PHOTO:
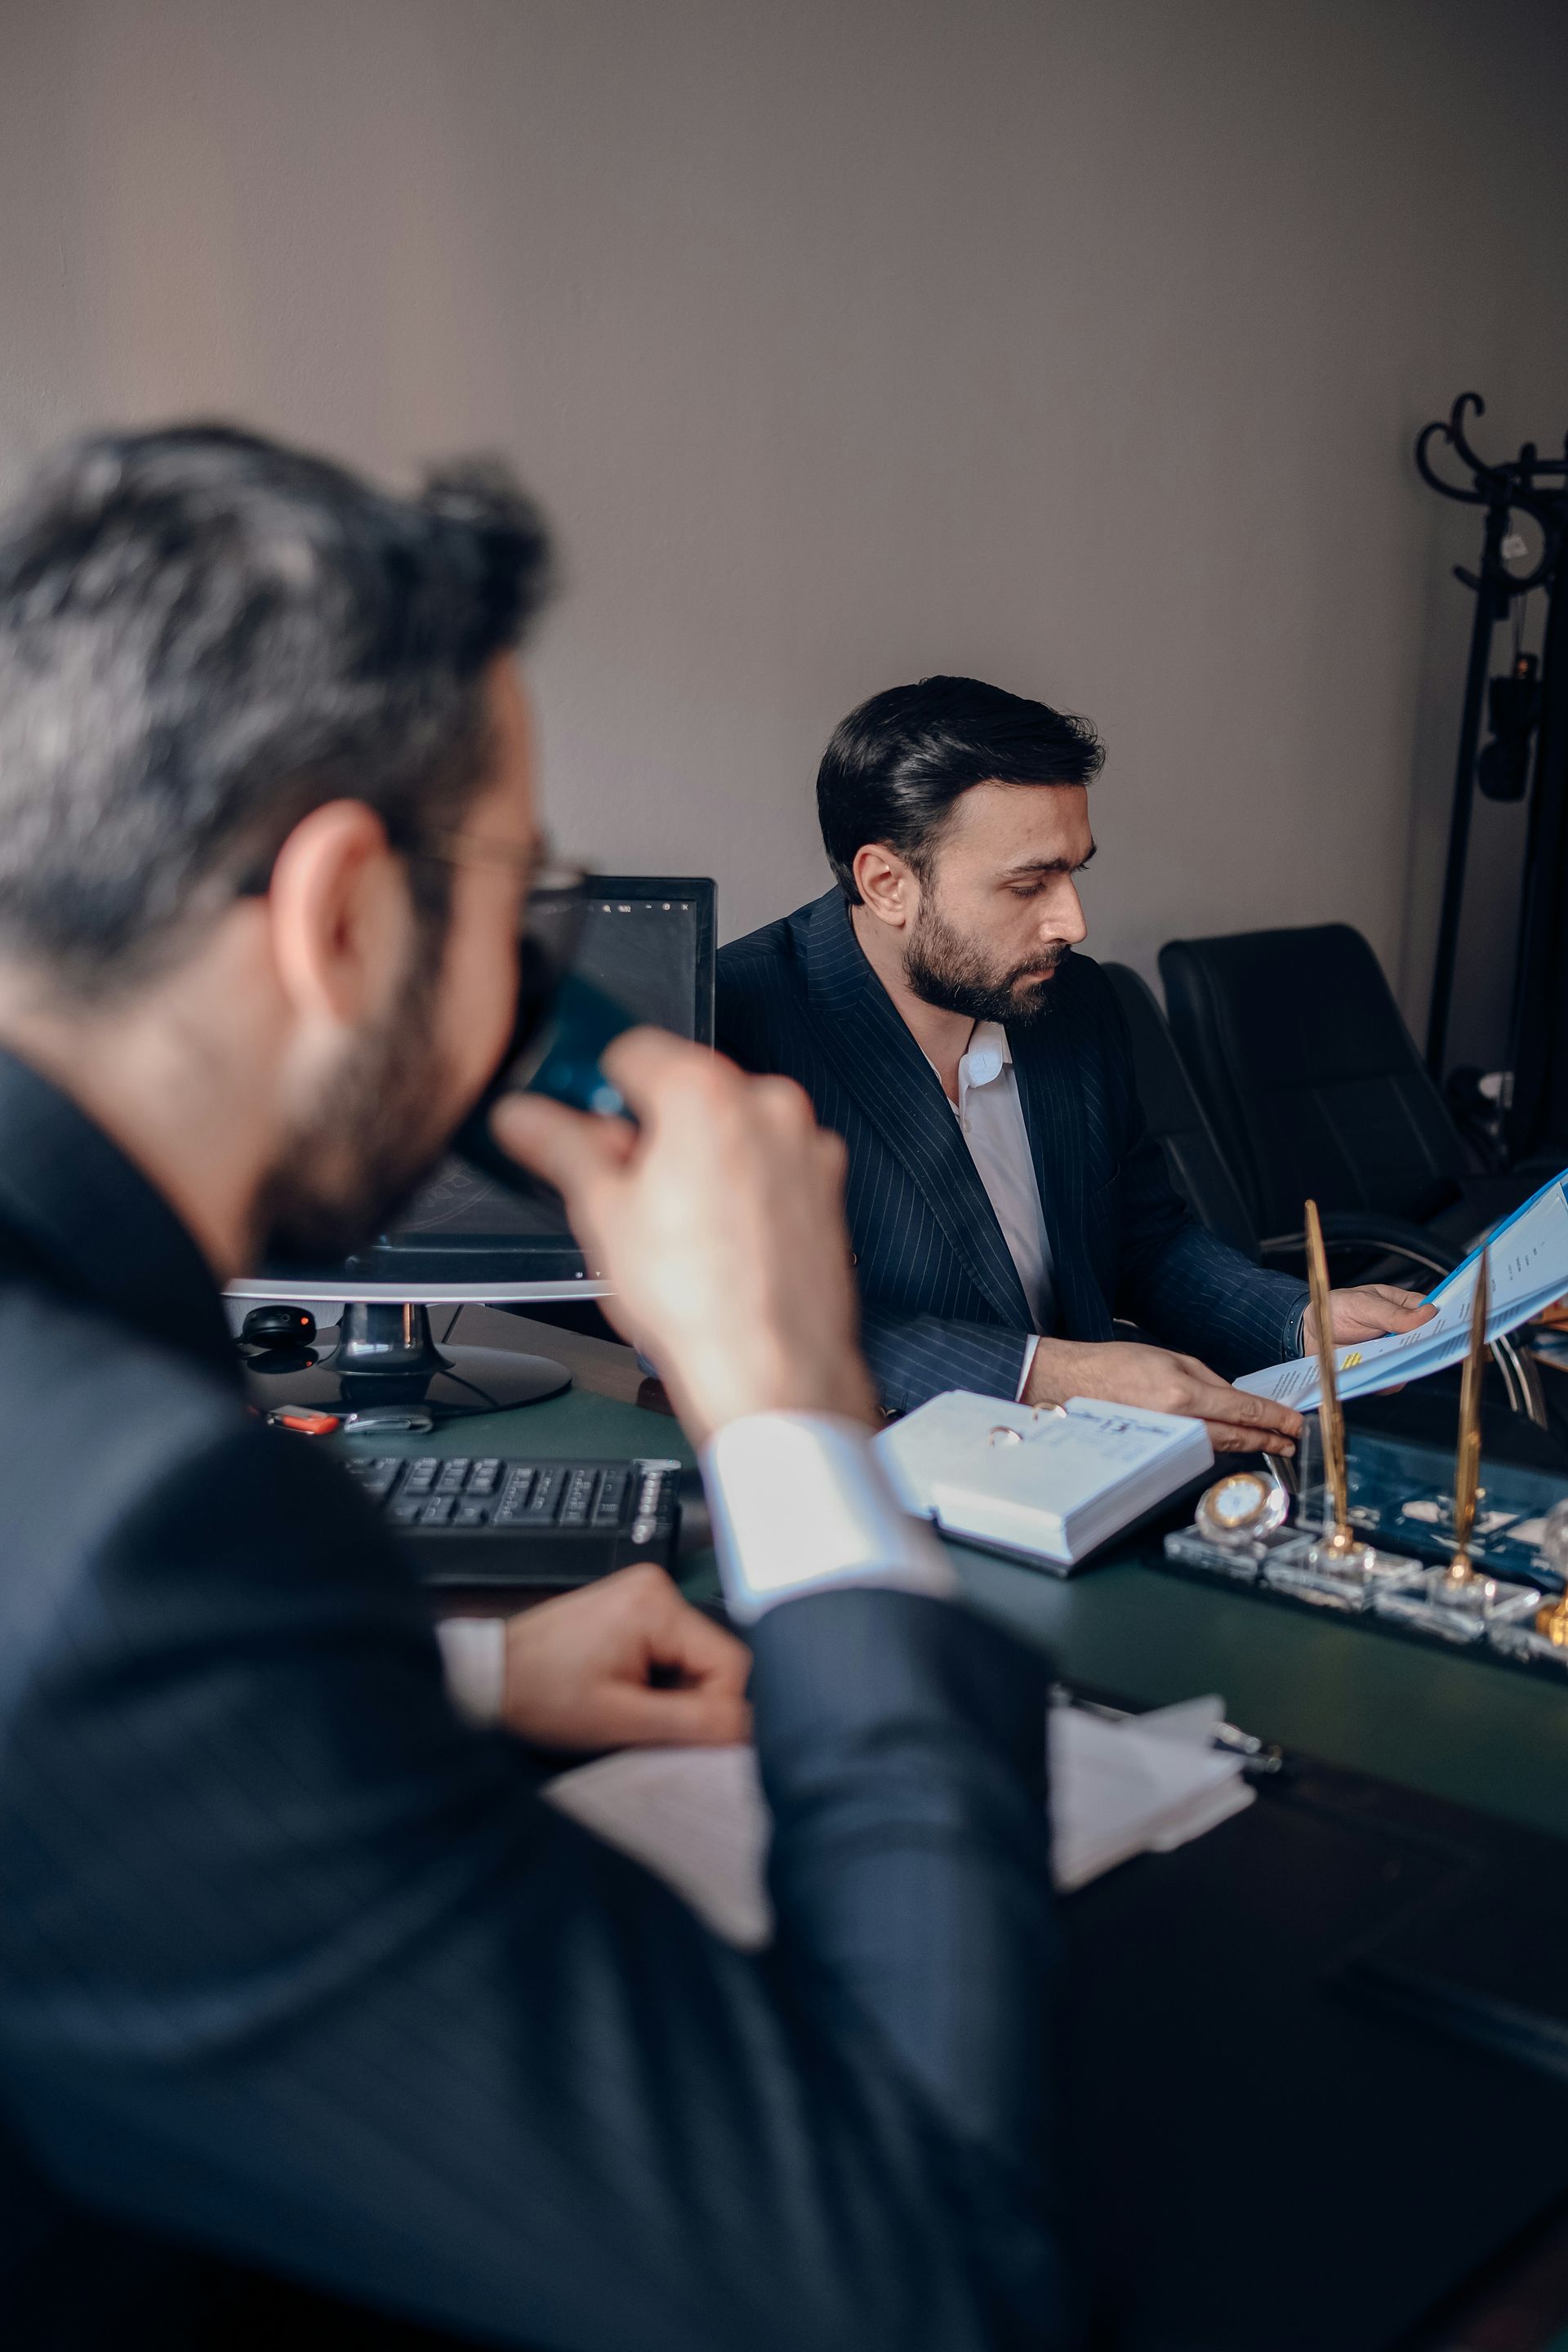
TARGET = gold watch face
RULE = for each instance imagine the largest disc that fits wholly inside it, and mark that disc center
(1244, 1504)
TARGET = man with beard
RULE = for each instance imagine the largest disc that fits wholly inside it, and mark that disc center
(300, 1978)
(1005, 1202)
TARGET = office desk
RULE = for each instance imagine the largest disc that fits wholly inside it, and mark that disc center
(1451, 1726)
(1265, 2167)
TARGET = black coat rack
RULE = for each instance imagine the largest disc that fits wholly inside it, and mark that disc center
(1529, 701)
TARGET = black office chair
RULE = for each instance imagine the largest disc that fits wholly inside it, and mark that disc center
(1177, 1117)
(1201, 1175)
(1314, 1089)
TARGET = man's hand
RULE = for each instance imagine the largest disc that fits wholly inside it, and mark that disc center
(1367, 1314)
(718, 1222)
(578, 1669)
(1124, 1372)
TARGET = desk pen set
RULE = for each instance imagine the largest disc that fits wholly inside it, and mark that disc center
(1377, 1539)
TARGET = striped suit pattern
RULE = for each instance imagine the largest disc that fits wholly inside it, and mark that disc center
(298, 1972)
(941, 1300)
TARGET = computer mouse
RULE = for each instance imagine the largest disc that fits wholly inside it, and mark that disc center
(278, 1326)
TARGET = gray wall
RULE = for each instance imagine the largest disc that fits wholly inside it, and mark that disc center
(1078, 345)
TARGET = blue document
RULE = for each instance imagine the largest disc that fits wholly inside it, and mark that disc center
(1528, 1263)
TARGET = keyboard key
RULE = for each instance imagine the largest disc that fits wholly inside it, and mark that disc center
(453, 1474)
(375, 1478)
(422, 1474)
(405, 1510)
(436, 1513)
(547, 1490)
(470, 1515)
(578, 1500)
(529, 1496)
(485, 1477)
(612, 1498)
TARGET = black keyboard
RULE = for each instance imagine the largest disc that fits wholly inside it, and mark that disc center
(472, 1519)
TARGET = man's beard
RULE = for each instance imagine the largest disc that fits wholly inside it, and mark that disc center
(949, 970)
(344, 1173)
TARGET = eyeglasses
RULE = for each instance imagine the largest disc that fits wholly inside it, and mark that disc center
(549, 931)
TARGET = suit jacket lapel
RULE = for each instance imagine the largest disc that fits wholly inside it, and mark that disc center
(900, 1094)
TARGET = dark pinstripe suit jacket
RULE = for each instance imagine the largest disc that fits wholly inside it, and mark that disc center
(297, 1966)
(942, 1306)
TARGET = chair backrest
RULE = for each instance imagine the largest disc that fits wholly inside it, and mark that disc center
(1310, 1076)
(1177, 1117)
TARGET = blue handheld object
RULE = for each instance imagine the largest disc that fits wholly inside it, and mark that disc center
(583, 1021)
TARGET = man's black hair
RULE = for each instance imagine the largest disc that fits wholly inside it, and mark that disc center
(203, 636)
(895, 766)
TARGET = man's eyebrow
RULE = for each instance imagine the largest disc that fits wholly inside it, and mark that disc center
(1050, 865)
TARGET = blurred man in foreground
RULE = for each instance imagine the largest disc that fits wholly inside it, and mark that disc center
(296, 1968)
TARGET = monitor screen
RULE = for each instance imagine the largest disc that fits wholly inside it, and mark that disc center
(647, 943)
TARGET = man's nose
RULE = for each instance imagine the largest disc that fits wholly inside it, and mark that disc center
(1065, 920)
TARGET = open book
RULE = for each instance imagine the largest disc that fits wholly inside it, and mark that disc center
(697, 1816)
(1044, 1482)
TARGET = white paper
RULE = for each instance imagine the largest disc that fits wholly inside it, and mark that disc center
(1528, 1266)
(697, 1816)
(1136, 1786)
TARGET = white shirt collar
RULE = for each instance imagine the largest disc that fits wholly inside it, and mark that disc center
(987, 1055)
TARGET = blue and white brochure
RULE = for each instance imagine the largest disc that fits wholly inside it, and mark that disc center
(1528, 1263)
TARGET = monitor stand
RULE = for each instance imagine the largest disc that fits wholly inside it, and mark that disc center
(383, 1355)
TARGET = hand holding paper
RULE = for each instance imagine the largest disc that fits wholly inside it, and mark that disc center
(1529, 1265)
(1370, 1311)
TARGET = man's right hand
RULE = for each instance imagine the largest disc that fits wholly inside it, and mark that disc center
(1124, 1372)
(718, 1222)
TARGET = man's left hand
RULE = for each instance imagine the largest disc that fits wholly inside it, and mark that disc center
(1367, 1313)
(580, 1670)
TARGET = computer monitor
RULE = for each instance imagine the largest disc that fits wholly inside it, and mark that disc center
(648, 942)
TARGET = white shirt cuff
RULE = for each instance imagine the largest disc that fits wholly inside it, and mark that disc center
(801, 1504)
(1029, 1353)
(473, 1657)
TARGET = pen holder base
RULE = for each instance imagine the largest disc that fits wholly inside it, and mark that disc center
(1458, 1613)
(1309, 1568)
(1236, 1562)
(1522, 1642)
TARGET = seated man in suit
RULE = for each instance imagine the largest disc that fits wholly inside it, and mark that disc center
(299, 1975)
(1005, 1202)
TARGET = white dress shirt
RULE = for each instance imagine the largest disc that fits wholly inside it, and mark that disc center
(800, 1503)
(991, 1114)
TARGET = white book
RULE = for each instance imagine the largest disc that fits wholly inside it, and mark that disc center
(1049, 1486)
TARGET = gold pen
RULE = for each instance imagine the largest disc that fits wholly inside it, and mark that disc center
(1341, 1542)
(1468, 1462)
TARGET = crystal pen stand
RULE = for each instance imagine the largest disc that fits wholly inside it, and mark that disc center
(1241, 1534)
(1355, 1576)
(1528, 1647)
(1460, 1610)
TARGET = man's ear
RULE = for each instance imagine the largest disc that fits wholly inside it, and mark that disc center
(340, 913)
(887, 885)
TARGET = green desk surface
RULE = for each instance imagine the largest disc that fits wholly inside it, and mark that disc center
(1451, 1726)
